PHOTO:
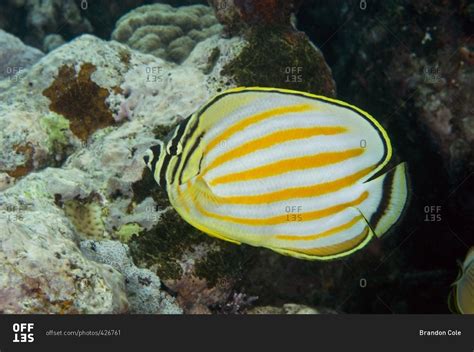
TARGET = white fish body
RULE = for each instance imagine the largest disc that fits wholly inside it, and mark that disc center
(286, 170)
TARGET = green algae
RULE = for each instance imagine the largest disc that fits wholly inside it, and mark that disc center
(164, 245)
(56, 126)
(127, 231)
(230, 262)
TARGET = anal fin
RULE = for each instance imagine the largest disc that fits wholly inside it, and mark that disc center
(392, 188)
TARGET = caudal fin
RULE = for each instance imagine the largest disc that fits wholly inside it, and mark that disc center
(390, 192)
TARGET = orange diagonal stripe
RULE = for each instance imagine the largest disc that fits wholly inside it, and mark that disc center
(287, 165)
(274, 220)
(254, 119)
(323, 234)
(299, 192)
(335, 249)
(274, 139)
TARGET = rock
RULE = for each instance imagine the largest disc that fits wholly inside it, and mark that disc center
(200, 270)
(282, 58)
(239, 15)
(43, 270)
(96, 191)
(5, 181)
(143, 286)
(36, 141)
(165, 31)
(289, 308)
(275, 53)
(52, 41)
(15, 57)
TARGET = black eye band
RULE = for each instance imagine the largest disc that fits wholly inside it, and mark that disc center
(173, 150)
(146, 158)
(156, 149)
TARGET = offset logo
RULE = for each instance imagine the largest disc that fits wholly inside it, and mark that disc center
(23, 332)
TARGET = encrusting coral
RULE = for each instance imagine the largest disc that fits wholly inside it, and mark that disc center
(165, 31)
(86, 216)
(57, 130)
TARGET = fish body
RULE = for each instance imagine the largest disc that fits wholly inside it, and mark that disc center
(461, 297)
(286, 170)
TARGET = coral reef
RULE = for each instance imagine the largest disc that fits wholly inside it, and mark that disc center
(289, 308)
(165, 31)
(427, 71)
(199, 269)
(74, 125)
(101, 105)
(57, 130)
(408, 64)
(101, 180)
(47, 24)
(143, 287)
(43, 270)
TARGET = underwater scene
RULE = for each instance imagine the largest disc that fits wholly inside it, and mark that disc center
(236, 157)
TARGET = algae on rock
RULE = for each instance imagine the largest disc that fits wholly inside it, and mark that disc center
(79, 99)
(276, 57)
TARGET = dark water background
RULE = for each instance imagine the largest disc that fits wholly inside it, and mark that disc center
(411, 270)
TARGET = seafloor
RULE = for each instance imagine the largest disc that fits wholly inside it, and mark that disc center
(87, 86)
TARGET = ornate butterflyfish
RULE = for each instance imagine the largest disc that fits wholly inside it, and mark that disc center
(300, 174)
